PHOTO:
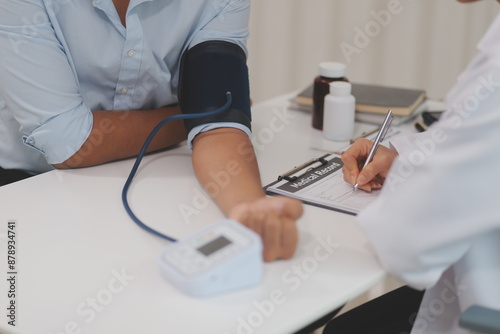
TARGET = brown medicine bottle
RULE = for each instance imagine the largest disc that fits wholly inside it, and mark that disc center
(328, 72)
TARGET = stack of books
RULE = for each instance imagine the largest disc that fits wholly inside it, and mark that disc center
(373, 101)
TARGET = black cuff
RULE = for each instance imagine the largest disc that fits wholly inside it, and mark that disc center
(208, 71)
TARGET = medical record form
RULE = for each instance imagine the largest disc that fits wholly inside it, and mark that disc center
(321, 182)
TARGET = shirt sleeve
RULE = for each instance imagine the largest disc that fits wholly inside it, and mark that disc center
(442, 191)
(230, 24)
(210, 126)
(38, 84)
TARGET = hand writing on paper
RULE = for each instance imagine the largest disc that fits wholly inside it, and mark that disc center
(373, 175)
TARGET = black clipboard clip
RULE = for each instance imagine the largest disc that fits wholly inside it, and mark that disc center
(307, 166)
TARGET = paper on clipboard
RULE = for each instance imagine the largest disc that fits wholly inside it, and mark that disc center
(324, 186)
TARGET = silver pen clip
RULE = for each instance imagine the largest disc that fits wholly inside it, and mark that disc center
(387, 124)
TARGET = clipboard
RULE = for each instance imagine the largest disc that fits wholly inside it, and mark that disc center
(301, 169)
(319, 182)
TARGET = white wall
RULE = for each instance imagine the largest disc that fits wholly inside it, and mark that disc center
(422, 44)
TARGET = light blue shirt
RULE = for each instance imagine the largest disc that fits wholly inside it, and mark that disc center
(61, 60)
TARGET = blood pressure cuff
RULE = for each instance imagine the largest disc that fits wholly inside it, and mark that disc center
(208, 71)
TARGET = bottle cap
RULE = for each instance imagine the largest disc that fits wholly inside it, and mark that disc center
(340, 88)
(332, 69)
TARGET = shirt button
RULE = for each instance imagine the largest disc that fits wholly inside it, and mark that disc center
(96, 2)
(124, 90)
(131, 53)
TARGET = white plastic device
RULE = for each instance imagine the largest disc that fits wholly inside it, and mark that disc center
(222, 257)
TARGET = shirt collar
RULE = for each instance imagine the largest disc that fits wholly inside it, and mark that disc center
(108, 6)
(135, 3)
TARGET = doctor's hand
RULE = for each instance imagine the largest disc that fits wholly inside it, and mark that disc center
(273, 218)
(373, 175)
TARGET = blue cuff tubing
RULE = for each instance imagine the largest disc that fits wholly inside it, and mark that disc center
(138, 160)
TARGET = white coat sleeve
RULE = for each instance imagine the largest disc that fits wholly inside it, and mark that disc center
(443, 191)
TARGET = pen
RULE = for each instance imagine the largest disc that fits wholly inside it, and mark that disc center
(380, 136)
(420, 127)
(430, 117)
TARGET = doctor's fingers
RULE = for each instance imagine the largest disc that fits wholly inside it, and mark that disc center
(378, 167)
(353, 158)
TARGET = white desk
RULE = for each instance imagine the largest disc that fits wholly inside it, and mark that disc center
(74, 237)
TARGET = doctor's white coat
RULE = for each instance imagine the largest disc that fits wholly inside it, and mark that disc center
(436, 223)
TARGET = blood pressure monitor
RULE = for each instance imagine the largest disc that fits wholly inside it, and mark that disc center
(226, 255)
(221, 257)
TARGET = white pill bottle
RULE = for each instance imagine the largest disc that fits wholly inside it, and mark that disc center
(339, 112)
